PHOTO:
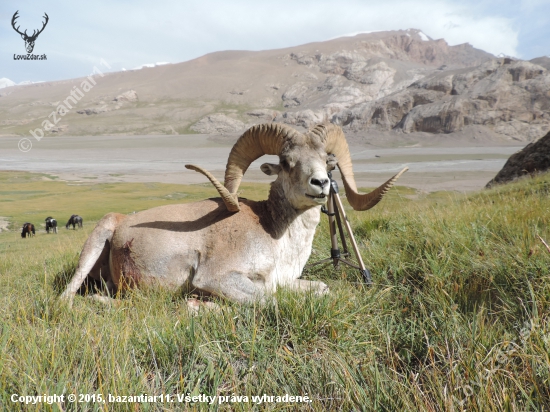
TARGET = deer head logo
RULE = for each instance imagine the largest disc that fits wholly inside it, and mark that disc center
(29, 40)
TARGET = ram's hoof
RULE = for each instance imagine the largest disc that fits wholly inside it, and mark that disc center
(194, 306)
(322, 289)
(106, 300)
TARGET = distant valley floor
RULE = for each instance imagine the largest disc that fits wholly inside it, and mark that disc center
(466, 166)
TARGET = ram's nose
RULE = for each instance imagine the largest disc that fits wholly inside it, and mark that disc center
(322, 183)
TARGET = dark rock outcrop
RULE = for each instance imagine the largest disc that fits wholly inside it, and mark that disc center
(533, 158)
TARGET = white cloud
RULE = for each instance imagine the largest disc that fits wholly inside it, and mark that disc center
(456, 22)
(531, 5)
(126, 34)
(189, 31)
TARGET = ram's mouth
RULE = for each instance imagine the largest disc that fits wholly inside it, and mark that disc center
(321, 196)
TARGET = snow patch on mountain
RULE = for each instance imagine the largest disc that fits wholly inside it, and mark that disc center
(148, 65)
(5, 82)
(423, 36)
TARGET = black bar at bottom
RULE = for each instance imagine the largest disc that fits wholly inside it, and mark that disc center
(335, 253)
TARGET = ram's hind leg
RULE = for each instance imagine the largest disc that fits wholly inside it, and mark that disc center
(93, 255)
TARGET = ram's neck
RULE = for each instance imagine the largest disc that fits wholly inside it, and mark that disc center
(280, 216)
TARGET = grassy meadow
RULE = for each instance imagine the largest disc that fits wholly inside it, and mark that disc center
(457, 318)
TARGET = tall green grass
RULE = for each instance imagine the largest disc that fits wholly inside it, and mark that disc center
(26, 197)
(457, 317)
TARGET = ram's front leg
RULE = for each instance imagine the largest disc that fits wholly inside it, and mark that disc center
(234, 286)
(319, 288)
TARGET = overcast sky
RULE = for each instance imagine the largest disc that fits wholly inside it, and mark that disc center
(129, 33)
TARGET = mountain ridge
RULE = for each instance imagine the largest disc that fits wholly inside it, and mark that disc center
(372, 82)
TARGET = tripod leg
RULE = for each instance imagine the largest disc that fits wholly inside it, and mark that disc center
(334, 250)
(341, 231)
(364, 271)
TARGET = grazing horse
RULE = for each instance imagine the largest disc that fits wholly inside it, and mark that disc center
(51, 223)
(28, 230)
(74, 220)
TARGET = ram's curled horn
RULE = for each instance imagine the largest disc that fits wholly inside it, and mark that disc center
(335, 143)
(230, 200)
(263, 139)
(259, 140)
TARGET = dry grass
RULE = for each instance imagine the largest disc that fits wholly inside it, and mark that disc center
(457, 318)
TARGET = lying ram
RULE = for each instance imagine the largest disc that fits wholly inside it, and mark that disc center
(230, 247)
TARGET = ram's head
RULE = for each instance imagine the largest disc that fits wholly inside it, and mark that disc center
(304, 162)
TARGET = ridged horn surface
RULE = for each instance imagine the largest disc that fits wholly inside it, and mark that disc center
(230, 200)
(259, 140)
(368, 200)
(335, 143)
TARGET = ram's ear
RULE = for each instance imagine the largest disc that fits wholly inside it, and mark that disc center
(271, 168)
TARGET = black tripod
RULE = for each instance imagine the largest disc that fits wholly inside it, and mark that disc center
(337, 215)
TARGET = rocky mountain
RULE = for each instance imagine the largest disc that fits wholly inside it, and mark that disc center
(400, 81)
(533, 158)
(543, 61)
(510, 97)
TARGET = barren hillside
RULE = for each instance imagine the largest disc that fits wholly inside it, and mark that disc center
(400, 81)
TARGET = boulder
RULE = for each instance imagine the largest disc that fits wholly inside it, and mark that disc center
(304, 118)
(265, 115)
(294, 95)
(218, 123)
(59, 129)
(129, 96)
(533, 158)
(94, 110)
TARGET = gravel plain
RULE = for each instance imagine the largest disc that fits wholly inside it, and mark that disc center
(163, 158)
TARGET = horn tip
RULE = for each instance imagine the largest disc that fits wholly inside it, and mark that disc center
(195, 168)
(398, 175)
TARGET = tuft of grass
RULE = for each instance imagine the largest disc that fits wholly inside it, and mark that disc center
(457, 317)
